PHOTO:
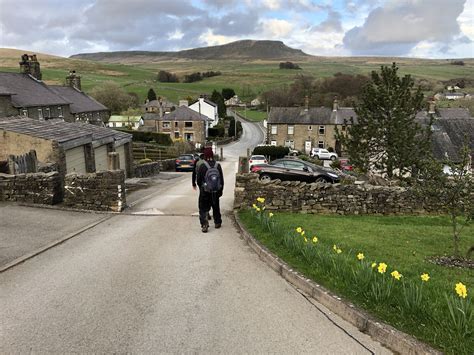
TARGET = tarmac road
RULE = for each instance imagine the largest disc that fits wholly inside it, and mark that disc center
(151, 282)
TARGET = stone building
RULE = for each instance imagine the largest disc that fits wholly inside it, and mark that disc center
(303, 128)
(71, 147)
(27, 95)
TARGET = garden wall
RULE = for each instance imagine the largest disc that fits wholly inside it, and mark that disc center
(167, 164)
(42, 188)
(148, 169)
(101, 191)
(295, 196)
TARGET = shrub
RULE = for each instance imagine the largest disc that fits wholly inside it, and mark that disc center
(274, 152)
(289, 65)
(167, 77)
(191, 78)
(217, 131)
(144, 161)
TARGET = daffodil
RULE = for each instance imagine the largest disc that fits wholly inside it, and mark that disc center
(305, 240)
(396, 275)
(382, 268)
(461, 290)
(339, 251)
(263, 208)
(334, 247)
(425, 277)
(315, 240)
(302, 233)
(261, 199)
(299, 230)
(254, 206)
(270, 215)
(257, 209)
(373, 265)
(360, 256)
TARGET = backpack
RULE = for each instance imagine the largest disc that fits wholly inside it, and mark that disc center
(212, 179)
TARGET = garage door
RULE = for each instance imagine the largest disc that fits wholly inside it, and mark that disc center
(121, 151)
(100, 154)
(76, 160)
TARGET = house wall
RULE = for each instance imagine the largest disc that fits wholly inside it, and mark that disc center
(12, 143)
(6, 108)
(302, 133)
(198, 129)
(207, 110)
(54, 112)
(95, 117)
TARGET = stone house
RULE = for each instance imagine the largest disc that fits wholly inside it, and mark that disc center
(161, 105)
(72, 147)
(134, 122)
(303, 128)
(207, 108)
(25, 94)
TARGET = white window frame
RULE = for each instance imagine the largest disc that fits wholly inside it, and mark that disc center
(321, 144)
(47, 112)
(176, 137)
(166, 124)
(310, 128)
(290, 143)
(322, 130)
(25, 112)
(292, 129)
(40, 114)
(274, 143)
(60, 111)
(274, 129)
(186, 124)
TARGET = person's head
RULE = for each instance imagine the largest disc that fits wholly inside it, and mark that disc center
(208, 153)
(201, 156)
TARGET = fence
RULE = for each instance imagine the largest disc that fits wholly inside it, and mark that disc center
(22, 164)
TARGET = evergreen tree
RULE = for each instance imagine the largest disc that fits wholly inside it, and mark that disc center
(151, 95)
(227, 93)
(386, 139)
(217, 98)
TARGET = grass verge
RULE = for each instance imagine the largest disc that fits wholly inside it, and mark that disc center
(404, 243)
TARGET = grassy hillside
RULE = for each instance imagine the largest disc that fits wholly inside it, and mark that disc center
(247, 77)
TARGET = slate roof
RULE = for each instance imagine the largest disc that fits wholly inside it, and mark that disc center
(156, 103)
(298, 115)
(449, 136)
(448, 113)
(27, 91)
(182, 113)
(80, 101)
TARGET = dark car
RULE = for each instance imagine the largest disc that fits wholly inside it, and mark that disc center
(295, 169)
(184, 162)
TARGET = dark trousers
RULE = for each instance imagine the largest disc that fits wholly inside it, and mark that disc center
(208, 200)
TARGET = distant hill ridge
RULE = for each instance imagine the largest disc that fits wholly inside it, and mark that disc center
(245, 49)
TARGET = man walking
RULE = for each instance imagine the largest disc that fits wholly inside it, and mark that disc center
(210, 179)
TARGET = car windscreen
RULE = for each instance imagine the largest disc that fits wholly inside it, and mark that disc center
(186, 157)
(257, 157)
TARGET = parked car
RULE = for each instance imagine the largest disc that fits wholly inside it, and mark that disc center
(184, 162)
(323, 154)
(256, 160)
(346, 165)
(295, 169)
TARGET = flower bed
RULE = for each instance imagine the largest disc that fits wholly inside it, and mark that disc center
(428, 301)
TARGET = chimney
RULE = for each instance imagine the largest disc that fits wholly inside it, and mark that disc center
(335, 104)
(306, 103)
(161, 107)
(183, 103)
(73, 80)
(29, 65)
(432, 107)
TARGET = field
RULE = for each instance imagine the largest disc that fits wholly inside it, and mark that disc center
(247, 78)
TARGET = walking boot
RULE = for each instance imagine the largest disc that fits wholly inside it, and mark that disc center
(218, 225)
(204, 228)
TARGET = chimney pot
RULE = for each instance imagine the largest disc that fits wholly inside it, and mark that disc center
(306, 103)
(335, 104)
(432, 107)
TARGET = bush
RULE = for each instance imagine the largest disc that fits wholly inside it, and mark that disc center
(167, 77)
(140, 136)
(191, 78)
(272, 151)
(217, 131)
(144, 161)
(210, 74)
(289, 65)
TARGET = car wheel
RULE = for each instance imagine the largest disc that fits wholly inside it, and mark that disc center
(265, 177)
(322, 179)
(333, 158)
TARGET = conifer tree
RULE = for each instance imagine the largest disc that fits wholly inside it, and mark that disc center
(151, 95)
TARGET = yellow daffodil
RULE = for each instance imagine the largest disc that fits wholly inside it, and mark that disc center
(334, 247)
(305, 240)
(254, 206)
(263, 208)
(339, 251)
(396, 275)
(461, 290)
(257, 209)
(315, 240)
(360, 256)
(261, 199)
(425, 277)
(382, 268)
(299, 230)
(270, 215)
(302, 233)
(373, 265)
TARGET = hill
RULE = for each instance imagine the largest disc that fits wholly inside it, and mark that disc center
(239, 50)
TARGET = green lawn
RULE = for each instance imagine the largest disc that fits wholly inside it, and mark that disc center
(404, 243)
(252, 115)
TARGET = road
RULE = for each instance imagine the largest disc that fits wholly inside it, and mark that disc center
(149, 281)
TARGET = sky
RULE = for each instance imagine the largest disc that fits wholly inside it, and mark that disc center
(408, 28)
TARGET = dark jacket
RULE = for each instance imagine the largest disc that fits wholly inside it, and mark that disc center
(201, 172)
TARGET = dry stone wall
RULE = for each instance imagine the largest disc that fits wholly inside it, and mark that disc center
(145, 170)
(296, 196)
(101, 191)
(41, 188)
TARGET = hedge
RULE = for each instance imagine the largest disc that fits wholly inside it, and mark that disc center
(142, 136)
(272, 151)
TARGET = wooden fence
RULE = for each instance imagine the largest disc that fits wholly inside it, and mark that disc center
(21, 164)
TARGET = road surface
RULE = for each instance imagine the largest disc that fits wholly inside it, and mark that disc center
(150, 282)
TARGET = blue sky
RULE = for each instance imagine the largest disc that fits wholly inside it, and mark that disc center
(413, 28)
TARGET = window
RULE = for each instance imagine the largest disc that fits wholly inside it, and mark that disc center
(273, 143)
(166, 124)
(188, 124)
(322, 129)
(175, 124)
(47, 112)
(290, 144)
(188, 137)
(321, 144)
(294, 165)
(291, 129)
(60, 111)
(310, 128)
(25, 112)
(274, 129)
(343, 128)
(176, 134)
(40, 113)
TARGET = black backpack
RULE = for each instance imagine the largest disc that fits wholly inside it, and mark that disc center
(212, 179)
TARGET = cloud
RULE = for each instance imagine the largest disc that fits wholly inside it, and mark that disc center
(331, 24)
(398, 27)
(274, 28)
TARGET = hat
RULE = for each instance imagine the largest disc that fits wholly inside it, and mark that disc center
(208, 153)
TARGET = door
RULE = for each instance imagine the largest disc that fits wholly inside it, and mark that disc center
(76, 160)
(307, 147)
(100, 154)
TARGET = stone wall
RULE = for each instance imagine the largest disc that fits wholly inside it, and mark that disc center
(149, 169)
(42, 188)
(101, 191)
(296, 196)
(167, 165)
